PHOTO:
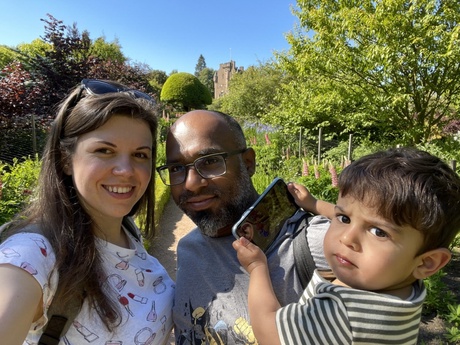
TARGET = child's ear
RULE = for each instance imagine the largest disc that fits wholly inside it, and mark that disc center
(432, 262)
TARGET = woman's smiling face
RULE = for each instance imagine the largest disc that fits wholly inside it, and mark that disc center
(112, 166)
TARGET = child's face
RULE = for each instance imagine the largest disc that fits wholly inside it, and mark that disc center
(368, 252)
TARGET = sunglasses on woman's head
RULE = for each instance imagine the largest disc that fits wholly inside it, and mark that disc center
(99, 87)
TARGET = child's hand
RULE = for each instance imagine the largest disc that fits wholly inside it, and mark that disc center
(302, 197)
(249, 255)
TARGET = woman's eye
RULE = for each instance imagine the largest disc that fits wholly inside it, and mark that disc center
(378, 232)
(104, 150)
(142, 155)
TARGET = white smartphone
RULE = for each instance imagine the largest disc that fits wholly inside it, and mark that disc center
(262, 222)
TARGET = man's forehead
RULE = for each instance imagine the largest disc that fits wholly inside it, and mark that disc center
(190, 145)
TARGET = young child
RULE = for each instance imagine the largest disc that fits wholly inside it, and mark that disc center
(397, 212)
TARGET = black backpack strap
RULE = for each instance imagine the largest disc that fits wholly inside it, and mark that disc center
(304, 263)
(61, 318)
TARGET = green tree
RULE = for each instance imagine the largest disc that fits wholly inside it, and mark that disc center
(37, 47)
(391, 66)
(253, 92)
(57, 63)
(185, 92)
(200, 65)
(206, 76)
(7, 55)
(156, 79)
(108, 51)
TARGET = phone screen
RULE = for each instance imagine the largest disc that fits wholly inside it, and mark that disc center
(262, 221)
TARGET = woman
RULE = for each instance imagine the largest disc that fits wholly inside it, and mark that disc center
(97, 171)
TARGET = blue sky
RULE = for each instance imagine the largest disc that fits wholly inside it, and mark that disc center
(167, 34)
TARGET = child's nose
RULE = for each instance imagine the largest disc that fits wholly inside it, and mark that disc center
(351, 238)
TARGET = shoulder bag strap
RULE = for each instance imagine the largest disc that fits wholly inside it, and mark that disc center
(304, 263)
(60, 319)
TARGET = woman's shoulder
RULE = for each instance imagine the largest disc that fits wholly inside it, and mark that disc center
(29, 250)
(27, 238)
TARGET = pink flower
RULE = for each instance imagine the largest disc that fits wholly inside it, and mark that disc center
(316, 171)
(335, 180)
(304, 167)
(267, 139)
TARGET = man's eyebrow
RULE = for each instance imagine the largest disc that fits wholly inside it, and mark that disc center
(199, 154)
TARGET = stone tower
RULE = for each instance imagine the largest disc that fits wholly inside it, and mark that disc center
(222, 77)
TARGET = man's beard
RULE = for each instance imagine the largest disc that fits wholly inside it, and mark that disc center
(210, 222)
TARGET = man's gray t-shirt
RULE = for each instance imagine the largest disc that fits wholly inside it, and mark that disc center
(211, 287)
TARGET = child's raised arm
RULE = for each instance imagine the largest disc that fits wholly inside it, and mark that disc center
(308, 202)
(262, 300)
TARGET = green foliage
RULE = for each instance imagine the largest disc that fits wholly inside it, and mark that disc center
(37, 47)
(7, 56)
(161, 153)
(454, 315)
(269, 159)
(156, 79)
(43, 72)
(185, 92)
(389, 68)
(453, 318)
(367, 147)
(206, 77)
(456, 242)
(108, 51)
(252, 92)
(161, 198)
(200, 65)
(319, 183)
(261, 181)
(447, 149)
(453, 335)
(438, 297)
(17, 186)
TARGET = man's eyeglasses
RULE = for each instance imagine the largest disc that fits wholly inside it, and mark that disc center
(208, 166)
(99, 87)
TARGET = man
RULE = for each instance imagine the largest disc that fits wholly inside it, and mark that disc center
(209, 169)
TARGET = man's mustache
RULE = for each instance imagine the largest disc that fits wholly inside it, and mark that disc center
(185, 196)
